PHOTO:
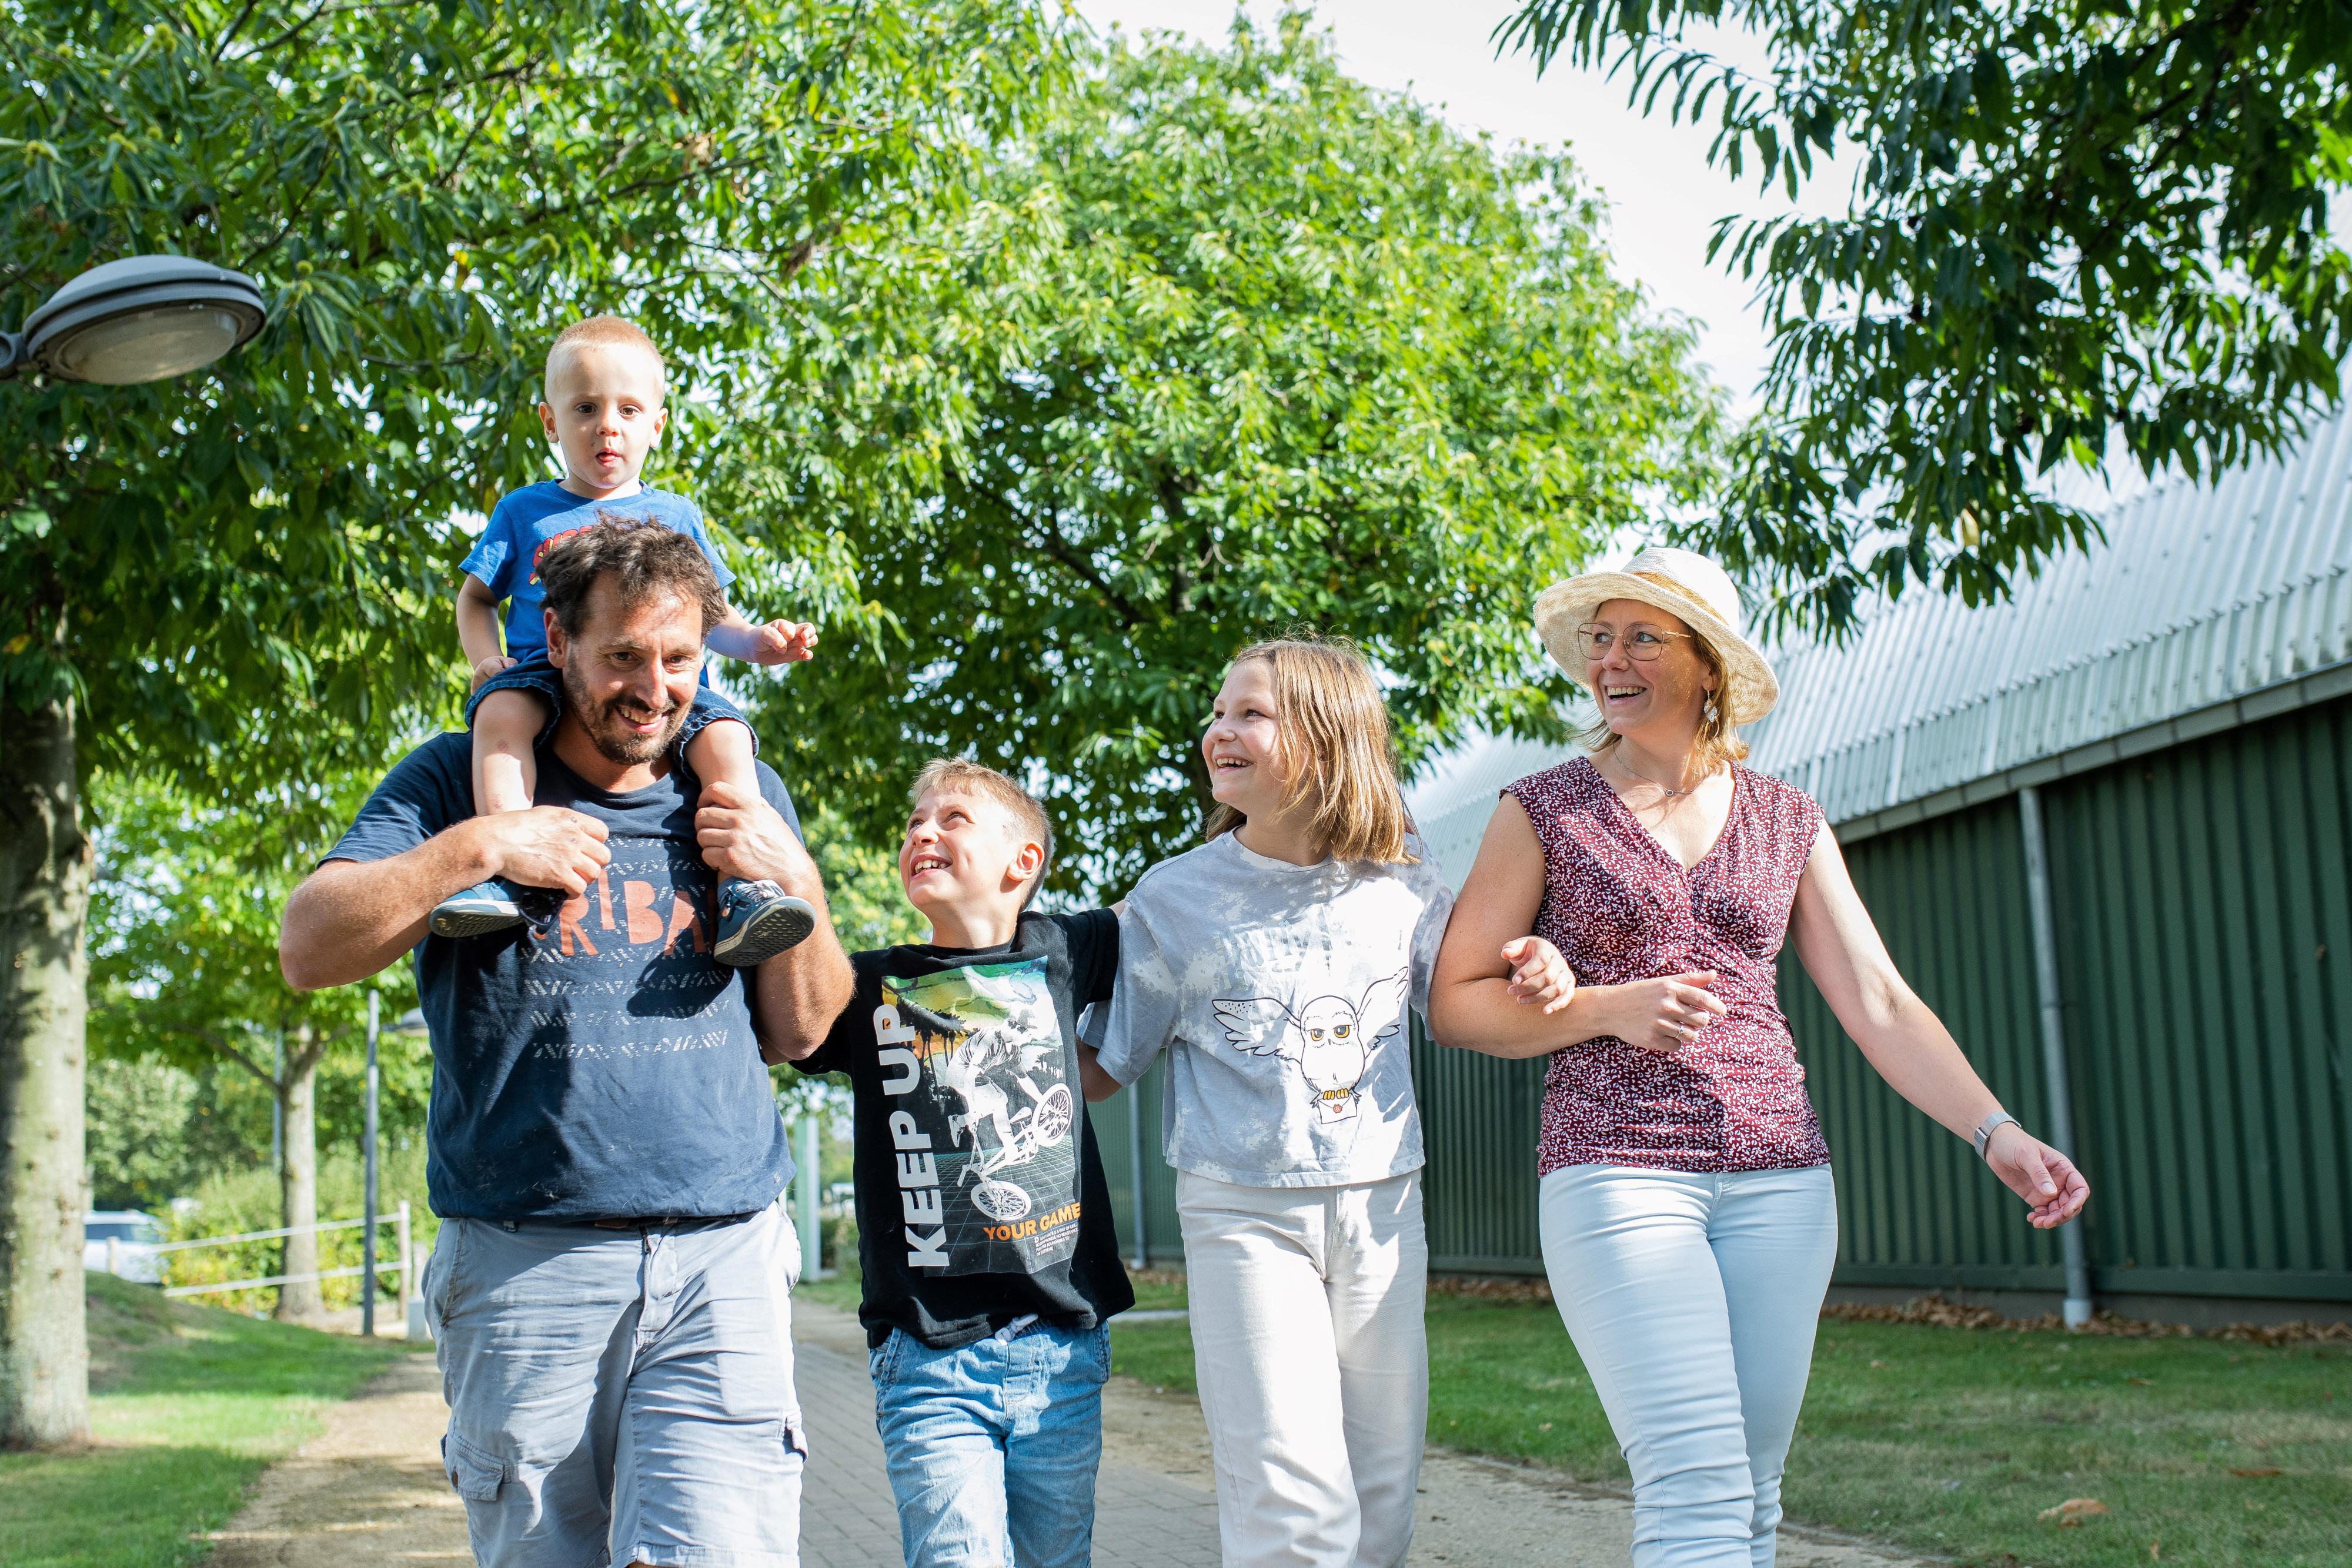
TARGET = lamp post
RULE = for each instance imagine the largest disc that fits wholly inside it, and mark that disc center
(367, 1181)
(411, 1023)
(142, 319)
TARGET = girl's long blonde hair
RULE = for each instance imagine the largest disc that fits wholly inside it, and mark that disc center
(1334, 744)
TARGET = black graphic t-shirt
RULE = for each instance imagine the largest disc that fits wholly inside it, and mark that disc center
(981, 1196)
(605, 1069)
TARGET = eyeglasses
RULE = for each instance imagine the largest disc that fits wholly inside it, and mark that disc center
(1641, 642)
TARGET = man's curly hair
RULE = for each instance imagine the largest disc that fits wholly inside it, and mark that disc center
(645, 560)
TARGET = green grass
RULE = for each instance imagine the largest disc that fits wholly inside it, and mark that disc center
(1952, 1440)
(840, 1291)
(188, 1403)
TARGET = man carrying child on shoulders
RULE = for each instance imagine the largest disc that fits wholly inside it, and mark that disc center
(991, 1265)
(608, 1290)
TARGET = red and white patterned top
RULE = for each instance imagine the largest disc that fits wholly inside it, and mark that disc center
(1621, 908)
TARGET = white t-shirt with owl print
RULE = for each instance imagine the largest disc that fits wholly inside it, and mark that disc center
(1280, 993)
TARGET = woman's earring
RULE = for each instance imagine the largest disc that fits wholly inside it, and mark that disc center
(1710, 708)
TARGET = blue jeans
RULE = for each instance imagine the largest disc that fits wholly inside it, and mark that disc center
(1693, 1299)
(621, 1395)
(536, 676)
(993, 1447)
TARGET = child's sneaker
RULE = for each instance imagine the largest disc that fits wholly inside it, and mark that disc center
(757, 920)
(497, 905)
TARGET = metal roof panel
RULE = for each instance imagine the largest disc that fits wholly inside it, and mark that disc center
(2200, 593)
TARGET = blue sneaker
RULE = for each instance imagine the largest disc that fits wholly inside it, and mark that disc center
(757, 920)
(497, 905)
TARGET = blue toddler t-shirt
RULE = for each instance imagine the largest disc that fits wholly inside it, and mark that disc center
(532, 519)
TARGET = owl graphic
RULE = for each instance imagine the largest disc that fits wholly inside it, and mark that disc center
(1330, 1038)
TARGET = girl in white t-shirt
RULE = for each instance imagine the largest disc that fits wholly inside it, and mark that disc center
(1275, 963)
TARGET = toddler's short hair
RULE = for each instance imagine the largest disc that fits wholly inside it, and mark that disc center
(602, 332)
(647, 560)
(958, 773)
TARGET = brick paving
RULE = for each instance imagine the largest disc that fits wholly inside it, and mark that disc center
(1142, 1519)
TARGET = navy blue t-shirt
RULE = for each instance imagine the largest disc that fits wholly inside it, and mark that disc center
(607, 1068)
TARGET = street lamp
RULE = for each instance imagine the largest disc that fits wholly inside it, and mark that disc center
(142, 319)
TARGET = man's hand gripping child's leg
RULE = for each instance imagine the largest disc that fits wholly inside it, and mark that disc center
(757, 920)
(505, 776)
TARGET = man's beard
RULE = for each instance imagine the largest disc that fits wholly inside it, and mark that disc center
(605, 721)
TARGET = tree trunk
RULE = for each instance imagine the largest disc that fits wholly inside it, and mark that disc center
(44, 900)
(298, 1181)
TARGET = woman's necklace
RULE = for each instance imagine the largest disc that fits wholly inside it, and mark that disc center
(1665, 794)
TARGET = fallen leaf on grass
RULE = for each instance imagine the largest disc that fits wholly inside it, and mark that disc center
(2155, 1549)
(2073, 1511)
(2257, 1470)
(2139, 1382)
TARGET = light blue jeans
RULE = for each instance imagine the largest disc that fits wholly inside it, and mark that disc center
(993, 1447)
(1693, 1300)
(621, 1395)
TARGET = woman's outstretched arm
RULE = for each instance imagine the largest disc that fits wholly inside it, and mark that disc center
(1476, 999)
(1907, 1042)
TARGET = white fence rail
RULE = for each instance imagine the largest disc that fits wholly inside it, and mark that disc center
(402, 1263)
(393, 1266)
(264, 1235)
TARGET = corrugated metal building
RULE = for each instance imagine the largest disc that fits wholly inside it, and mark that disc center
(2174, 707)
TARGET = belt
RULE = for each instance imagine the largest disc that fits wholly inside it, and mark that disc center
(663, 1221)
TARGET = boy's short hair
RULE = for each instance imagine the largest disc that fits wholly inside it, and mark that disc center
(645, 559)
(602, 332)
(957, 773)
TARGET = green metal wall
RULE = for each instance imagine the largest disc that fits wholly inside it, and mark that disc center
(1479, 1117)
(2204, 904)
(1138, 1104)
(1915, 1207)
(2202, 898)
(2205, 928)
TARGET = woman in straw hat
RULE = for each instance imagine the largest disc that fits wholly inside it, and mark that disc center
(1688, 1223)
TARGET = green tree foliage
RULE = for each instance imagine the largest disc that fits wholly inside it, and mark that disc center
(184, 971)
(157, 1132)
(253, 559)
(862, 890)
(2082, 232)
(237, 579)
(138, 1135)
(183, 933)
(1236, 344)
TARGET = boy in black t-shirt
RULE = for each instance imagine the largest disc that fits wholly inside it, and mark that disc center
(984, 1221)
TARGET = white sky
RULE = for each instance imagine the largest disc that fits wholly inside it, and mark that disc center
(1663, 198)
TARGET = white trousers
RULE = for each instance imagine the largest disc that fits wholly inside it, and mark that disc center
(1693, 1300)
(1313, 1362)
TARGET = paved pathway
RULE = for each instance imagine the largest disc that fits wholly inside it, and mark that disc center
(369, 1492)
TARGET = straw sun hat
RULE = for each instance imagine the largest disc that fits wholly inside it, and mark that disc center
(1683, 585)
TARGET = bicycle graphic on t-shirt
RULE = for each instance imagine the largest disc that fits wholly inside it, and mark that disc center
(994, 1100)
(1002, 1134)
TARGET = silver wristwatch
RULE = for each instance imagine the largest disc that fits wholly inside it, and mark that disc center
(1986, 1128)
